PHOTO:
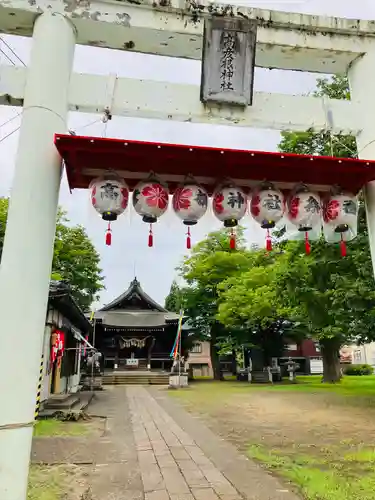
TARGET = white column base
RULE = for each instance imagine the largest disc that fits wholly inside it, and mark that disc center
(177, 381)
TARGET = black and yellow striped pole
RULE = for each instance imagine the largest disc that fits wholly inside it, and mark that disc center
(39, 392)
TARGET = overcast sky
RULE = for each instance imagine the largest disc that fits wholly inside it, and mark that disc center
(129, 255)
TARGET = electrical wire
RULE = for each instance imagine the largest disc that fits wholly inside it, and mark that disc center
(73, 131)
(10, 119)
(6, 55)
(12, 51)
(10, 133)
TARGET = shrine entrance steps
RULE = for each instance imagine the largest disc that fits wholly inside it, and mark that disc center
(136, 378)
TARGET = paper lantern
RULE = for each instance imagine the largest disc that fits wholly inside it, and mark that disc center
(340, 215)
(304, 212)
(229, 205)
(150, 200)
(190, 204)
(109, 197)
(267, 207)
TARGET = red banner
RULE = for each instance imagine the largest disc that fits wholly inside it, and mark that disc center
(58, 343)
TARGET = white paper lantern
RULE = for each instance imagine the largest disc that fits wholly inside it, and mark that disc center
(190, 204)
(150, 200)
(267, 206)
(109, 197)
(229, 204)
(304, 212)
(340, 215)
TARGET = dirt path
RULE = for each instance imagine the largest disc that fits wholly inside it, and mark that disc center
(285, 420)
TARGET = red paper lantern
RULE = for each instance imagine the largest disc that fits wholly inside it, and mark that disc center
(150, 200)
(190, 203)
(109, 197)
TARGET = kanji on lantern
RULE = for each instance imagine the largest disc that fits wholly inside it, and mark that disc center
(304, 211)
(109, 197)
(190, 203)
(267, 207)
(340, 215)
(229, 205)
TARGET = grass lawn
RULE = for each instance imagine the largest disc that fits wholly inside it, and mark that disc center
(53, 427)
(45, 483)
(318, 437)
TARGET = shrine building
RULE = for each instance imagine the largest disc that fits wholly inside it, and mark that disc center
(133, 332)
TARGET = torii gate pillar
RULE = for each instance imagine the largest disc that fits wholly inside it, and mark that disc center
(28, 246)
(361, 75)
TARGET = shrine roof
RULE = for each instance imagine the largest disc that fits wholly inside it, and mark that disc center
(61, 298)
(88, 157)
(133, 319)
(134, 299)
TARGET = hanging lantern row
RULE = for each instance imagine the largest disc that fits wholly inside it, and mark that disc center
(304, 209)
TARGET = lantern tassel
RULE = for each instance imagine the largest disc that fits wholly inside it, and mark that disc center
(307, 244)
(188, 239)
(268, 241)
(342, 246)
(150, 237)
(108, 235)
(232, 241)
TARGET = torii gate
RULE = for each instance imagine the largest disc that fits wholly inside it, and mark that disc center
(47, 90)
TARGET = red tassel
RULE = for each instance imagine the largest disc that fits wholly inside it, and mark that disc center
(232, 241)
(150, 237)
(188, 239)
(108, 236)
(268, 241)
(342, 246)
(307, 244)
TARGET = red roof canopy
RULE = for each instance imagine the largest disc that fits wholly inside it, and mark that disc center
(89, 157)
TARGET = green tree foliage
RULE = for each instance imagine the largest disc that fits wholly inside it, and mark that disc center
(211, 268)
(210, 263)
(336, 296)
(173, 301)
(321, 143)
(75, 259)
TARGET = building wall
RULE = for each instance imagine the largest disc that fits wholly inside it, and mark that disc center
(200, 362)
(67, 384)
(358, 355)
(307, 348)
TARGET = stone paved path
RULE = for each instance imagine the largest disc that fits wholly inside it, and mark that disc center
(152, 449)
(174, 466)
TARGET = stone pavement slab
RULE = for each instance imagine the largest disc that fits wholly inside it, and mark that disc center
(187, 461)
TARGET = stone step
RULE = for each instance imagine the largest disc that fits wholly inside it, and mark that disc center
(81, 403)
(260, 377)
(61, 402)
(144, 379)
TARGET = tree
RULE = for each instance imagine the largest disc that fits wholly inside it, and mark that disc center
(251, 303)
(321, 143)
(75, 258)
(173, 301)
(210, 263)
(336, 296)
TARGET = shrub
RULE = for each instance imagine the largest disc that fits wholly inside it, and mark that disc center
(357, 370)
